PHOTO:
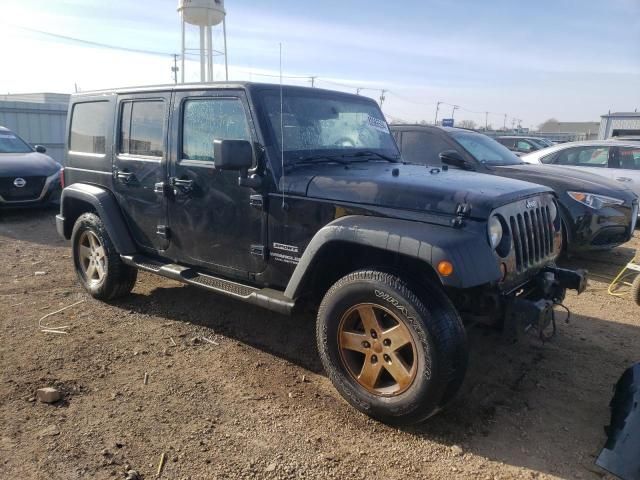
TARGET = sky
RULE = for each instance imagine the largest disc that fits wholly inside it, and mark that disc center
(572, 60)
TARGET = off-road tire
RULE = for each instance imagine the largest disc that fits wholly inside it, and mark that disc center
(435, 326)
(119, 278)
(635, 290)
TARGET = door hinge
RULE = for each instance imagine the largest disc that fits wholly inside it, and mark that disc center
(256, 201)
(163, 231)
(258, 251)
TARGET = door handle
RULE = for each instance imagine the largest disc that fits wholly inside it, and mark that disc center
(181, 185)
(125, 177)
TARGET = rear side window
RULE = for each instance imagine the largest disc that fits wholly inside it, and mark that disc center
(629, 158)
(89, 125)
(507, 142)
(584, 157)
(422, 148)
(208, 119)
(142, 128)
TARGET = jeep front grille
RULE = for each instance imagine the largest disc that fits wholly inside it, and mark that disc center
(533, 232)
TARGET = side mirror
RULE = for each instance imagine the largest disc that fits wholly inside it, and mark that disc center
(453, 158)
(236, 155)
(40, 149)
(232, 154)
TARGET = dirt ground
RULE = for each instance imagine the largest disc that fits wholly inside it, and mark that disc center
(254, 402)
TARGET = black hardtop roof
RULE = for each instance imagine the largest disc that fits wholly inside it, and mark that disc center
(181, 87)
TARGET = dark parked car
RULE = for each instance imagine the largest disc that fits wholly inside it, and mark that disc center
(521, 145)
(617, 160)
(597, 213)
(297, 196)
(28, 177)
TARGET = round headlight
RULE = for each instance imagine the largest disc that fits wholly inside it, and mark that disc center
(553, 211)
(495, 232)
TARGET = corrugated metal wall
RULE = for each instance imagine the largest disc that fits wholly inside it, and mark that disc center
(611, 123)
(38, 123)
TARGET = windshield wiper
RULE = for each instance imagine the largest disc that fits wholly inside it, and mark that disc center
(368, 153)
(322, 159)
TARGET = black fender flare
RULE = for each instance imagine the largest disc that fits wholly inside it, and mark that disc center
(473, 260)
(105, 205)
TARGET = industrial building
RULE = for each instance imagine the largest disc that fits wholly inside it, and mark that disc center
(39, 118)
(569, 131)
(619, 124)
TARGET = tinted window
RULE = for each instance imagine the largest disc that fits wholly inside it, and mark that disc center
(11, 143)
(89, 126)
(507, 142)
(209, 119)
(486, 150)
(423, 147)
(525, 146)
(629, 158)
(584, 157)
(142, 128)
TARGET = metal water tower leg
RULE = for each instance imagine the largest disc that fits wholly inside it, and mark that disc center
(202, 55)
(226, 63)
(183, 50)
(209, 54)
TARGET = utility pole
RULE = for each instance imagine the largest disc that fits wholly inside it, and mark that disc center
(175, 68)
(435, 122)
(504, 127)
(313, 82)
(486, 121)
(382, 97)
(453, 112)
(358, 90)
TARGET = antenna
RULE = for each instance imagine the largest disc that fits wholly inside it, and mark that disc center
(281, 128)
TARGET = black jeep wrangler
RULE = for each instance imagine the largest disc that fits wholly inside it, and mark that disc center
(294, 196)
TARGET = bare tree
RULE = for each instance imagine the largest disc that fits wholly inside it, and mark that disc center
(547, 123)
(470, 124)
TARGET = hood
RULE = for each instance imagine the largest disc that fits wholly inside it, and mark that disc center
(562, 179)
(30, 164)
(415, 187)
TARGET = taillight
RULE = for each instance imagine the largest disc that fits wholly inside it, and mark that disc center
(62, 177)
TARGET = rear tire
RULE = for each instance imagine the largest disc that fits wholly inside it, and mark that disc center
(396, 353)
(98, 265)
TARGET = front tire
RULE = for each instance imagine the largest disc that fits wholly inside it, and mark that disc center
(635, 290)
(98, 265)
(396, 353)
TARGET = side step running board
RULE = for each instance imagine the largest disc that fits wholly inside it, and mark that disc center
(266, 298)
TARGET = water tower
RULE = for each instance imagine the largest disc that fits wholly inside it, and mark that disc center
(204, 14)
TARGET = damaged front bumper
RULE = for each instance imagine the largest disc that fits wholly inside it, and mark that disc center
(531, 306)
(621, 454)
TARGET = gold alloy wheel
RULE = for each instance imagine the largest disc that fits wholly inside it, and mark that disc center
(377, 349)
(92, 257)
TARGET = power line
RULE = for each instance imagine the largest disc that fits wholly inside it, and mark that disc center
(92, 43)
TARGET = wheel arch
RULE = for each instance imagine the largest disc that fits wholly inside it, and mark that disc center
(84, 198)
(411, 248)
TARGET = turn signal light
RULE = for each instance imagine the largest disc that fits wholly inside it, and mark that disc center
(445, 268)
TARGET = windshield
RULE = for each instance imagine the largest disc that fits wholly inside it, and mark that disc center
(321, 125)
(11, 143)
(485, 149)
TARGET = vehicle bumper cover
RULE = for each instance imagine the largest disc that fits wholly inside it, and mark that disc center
(620, 455)
(60, 226)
